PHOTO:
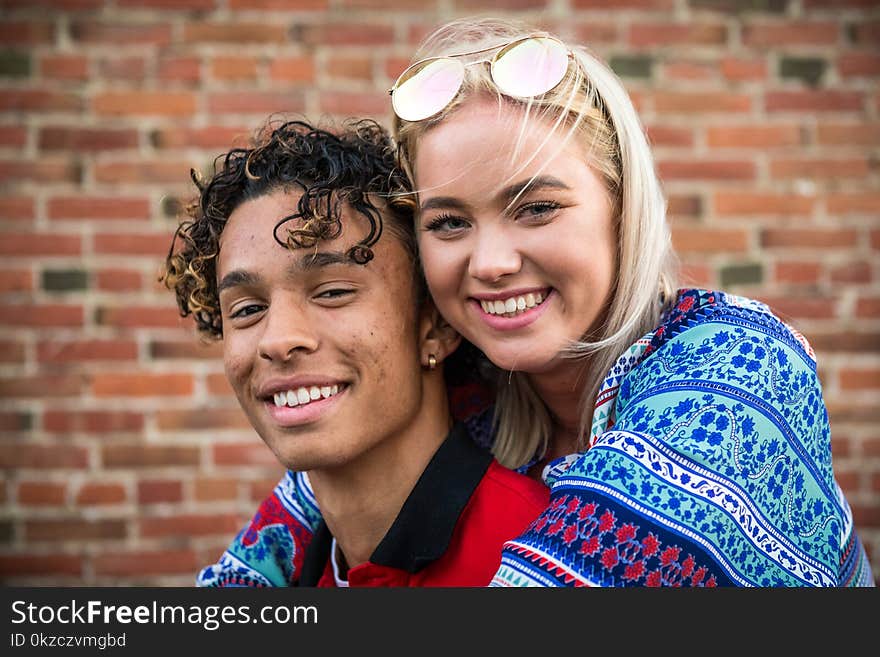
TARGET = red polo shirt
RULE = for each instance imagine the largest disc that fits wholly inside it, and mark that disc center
(451, 528)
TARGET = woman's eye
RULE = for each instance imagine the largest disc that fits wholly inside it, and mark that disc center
(538, 211)
(446, 223)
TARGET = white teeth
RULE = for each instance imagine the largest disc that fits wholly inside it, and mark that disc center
(302, 396)
(513, 305)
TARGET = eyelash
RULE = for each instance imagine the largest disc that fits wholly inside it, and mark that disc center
(241, 311)
(544, 207)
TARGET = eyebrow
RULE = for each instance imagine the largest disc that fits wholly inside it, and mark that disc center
(305, 262)
(508, 193)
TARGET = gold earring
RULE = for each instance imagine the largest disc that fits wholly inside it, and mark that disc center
(432, 361)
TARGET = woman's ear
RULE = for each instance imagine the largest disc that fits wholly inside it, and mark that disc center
(437, 339)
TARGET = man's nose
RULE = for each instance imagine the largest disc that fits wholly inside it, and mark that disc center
(287, 330)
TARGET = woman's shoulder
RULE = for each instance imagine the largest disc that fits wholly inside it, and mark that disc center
(713, 310)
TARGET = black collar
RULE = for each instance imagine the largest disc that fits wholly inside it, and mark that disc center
(422, 530)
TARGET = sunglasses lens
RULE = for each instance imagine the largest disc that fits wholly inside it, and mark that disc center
(530, 67)
(427, 89)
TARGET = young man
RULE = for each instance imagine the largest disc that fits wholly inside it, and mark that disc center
(300, 256)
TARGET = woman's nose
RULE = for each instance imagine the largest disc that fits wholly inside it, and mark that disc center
(494, 256)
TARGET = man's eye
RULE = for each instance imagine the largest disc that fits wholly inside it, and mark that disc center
(246, 311)
(334, 293)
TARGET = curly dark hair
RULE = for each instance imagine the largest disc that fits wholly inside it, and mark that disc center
(354, 167)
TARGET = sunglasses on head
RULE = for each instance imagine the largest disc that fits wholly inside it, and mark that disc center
(524, 68)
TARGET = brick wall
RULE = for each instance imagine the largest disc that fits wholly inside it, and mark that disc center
(124, 457)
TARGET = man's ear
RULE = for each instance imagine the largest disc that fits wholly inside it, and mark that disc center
(436, 337)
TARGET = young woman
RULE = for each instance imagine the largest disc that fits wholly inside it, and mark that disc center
(682, 433)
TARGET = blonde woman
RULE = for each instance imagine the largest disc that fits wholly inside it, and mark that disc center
(682, 432)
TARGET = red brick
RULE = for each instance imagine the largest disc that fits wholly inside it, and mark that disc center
(792, 308)
(122, 68)
(218, 385)
(826, 168)
(174, 5)
(593, 32)
(806, 273)
(165, 316)
(258, 102)
(345, 103)
(664, 135)
(16, 208)
(86, 139)
(191, 349)
(706, 170)
(818, 238)
(60, 351)
(744, 203)
(144, 384)
(118, 280)
(234, 32)
(292, 69)
(94, 494)
(43, 171)
(142, 563)
(155, 491)
(41, 316)
(676, 34)
(299, 5)
(179, 69)
(868, 307)
(814, 101)
(39, 244)
(753, 136)
(13, 136)
(65, 67)
(859, 379)
(122, 33)
(709, 240)
(261, 488)
(38, 493)
(236, 454)
(43, 457)
(845, 341)
(145, 103)
(143, 172)
(190, 525)
(684, 206)
(705, 102)
(86, 207)
(206, 418)
(355, 33)
(697, 275)
(146, 456)
(92, 422)
(216, 489)
(790, 32)
(689, 71)
(848, 134)
(21, 33)
(39, 100)
(74, 530)
(16, 280)
(855, 203)
(350, 67)
(11, 352)
(743, 70)
(859, 65)
(234, 68)
(213, 137)
(36, 564)
(852, 272)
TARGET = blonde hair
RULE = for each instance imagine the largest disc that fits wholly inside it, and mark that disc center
(592, 104)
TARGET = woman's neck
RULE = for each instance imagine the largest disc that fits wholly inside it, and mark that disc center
(562, 390)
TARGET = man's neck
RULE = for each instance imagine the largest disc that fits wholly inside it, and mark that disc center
(360, 500)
